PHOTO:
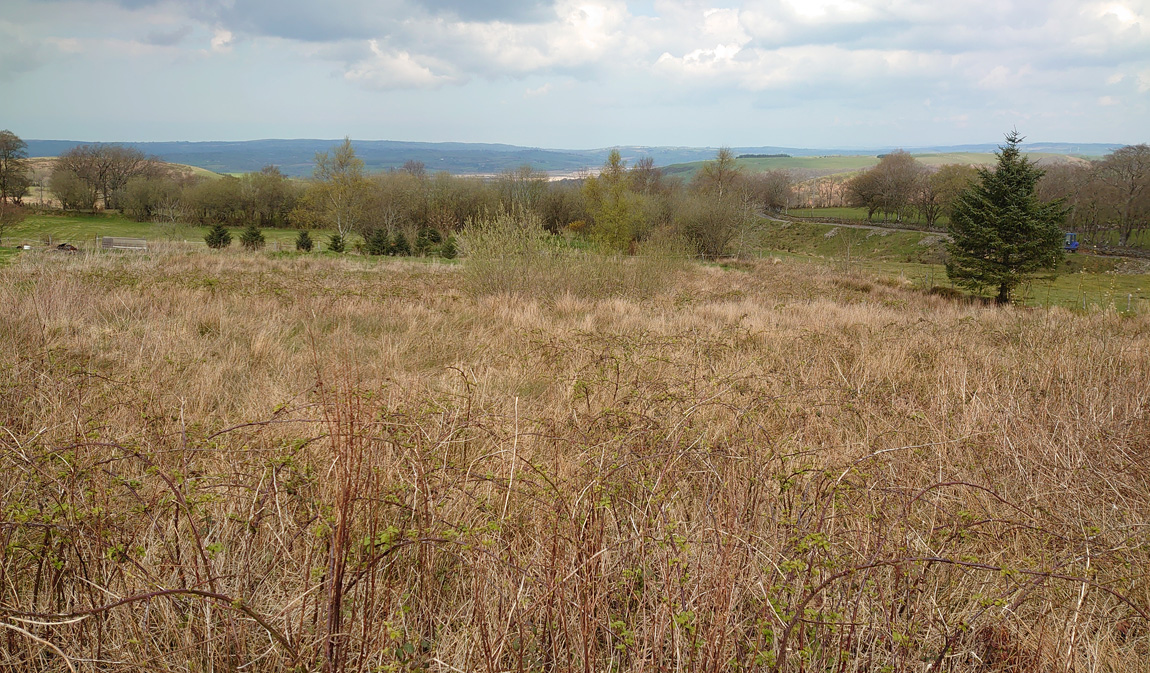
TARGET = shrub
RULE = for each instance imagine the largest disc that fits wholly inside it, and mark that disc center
(427, 238)
(303, 242)
(513, 253)
(252, 238)
(377, 242)
(710, 224)
(218, 237)
(449, 249)
(336, 243)
(400, 246)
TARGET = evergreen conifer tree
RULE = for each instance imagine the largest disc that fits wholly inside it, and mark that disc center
(252, 238)
(400, 247)
(335, 243)
(1001, 233)
(377, 242)
(422, 243)
(427, 238)
(449, 249)
(218, 237)
(303, 242)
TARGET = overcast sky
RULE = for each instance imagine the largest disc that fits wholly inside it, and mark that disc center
(578, 73)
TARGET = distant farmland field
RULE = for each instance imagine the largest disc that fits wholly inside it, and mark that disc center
(832, 165)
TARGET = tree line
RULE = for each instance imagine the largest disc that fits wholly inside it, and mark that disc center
(616, 208)
(1112, 195)
(1108, 195)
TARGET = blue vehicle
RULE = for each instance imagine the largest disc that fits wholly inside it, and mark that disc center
(1071, 244)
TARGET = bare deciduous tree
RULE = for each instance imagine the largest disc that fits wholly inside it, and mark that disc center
(14, 179)
(107, 168)
(889, 187)
(1127, 172)
(938, 189)
(719, 176)
(772, 190)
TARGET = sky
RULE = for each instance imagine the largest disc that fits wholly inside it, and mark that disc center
(578, 74)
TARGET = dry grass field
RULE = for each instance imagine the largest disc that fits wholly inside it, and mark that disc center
(259, 462)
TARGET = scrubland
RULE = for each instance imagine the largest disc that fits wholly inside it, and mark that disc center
(259, 462)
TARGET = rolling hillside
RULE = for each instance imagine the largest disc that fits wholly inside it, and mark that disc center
(296, 157)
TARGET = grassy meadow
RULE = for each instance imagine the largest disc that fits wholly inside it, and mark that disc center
(83, 229)
(1083, 281)
(232, 461)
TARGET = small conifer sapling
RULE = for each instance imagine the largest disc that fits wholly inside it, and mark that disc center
(252, 238)
(218, 237)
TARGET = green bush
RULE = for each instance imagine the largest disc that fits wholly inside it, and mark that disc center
(218, 237)
(303, 242)
(426, 240)
(400, 246)
(252, 238)
(336, 243)
(514, 254)
(378, 242)
(449, 250)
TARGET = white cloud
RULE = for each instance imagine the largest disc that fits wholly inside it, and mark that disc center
(974, 58)
(1107, 101)
(832, 10)
(397, 69)
(222, 40)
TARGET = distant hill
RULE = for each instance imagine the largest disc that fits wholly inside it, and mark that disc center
(807, 167)
(297, 157)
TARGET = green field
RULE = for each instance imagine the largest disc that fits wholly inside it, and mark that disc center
(859, 215)
(911, 257)
(916, 258)
(83, 229)
(1139, 240)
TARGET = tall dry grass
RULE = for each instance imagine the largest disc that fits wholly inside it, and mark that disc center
(511, 253)
(241, 462)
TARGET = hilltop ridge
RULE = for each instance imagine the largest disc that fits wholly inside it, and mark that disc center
(296, 157)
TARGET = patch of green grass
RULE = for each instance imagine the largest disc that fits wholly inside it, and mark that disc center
(1139, 239)
(1082, 280)
(828, 241)
(82, 229)
(859, 215)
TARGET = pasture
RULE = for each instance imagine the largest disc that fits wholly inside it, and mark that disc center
(84, 228)
(262, 462)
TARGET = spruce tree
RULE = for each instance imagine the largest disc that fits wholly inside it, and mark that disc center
(303, 242)
(335, 243)
(1001, 233)
(252, 238)
(400, 247)
(218, 237)
(422, 242)
(449, 249)
(377, 242)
